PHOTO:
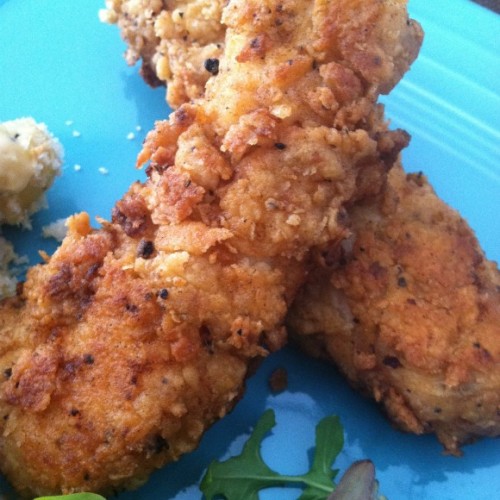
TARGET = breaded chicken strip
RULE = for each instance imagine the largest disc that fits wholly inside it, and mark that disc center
(181, 42)
(187, 38)
(133, 339)
(410, 313)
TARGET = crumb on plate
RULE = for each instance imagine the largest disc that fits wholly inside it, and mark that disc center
(56, 230)
(10, 266)
(278, 380)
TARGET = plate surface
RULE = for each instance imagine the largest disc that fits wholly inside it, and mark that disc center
(61, 66)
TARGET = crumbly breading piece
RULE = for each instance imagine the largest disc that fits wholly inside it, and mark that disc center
(179, 42)
(410, 313)
(133, 339)
(7, 277)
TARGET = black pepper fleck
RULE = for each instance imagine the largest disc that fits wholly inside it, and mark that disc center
(132, 308)
(145, 249)
(402, 283)
(88, 359)
(212, 65)
(280, 145)
(163, 294)
(7, 373)
(392, 362)
(158, 444)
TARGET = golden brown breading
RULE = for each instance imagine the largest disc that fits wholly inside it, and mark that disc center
(187, 80)
(133, 339)
(411, 315)
(174, 39)
(181, 42)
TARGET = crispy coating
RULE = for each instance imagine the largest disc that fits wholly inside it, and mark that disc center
(410, 313)
(181, 43)
(134, 338)
(173, 39)
(190, 39)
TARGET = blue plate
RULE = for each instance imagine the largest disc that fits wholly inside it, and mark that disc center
(61, 66)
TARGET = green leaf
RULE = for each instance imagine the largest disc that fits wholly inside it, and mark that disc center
(243, 476)
(329, 443)
(74, 496)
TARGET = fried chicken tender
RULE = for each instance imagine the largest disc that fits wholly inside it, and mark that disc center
(133, 338)
(181, 42)
(188, 39)
(410, 313)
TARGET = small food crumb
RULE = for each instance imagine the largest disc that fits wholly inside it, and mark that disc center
(10, 266)
(56, 230)
(293, 220)
(107, 16)
(7, 280)
(77, 167)
(130, 136)
(75, 133)
(103, 171)
(68, 123)
(138, 128)
(278, 381)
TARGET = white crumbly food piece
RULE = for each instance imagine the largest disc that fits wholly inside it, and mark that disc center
(56, 230)
(30, 158)
(7, 279)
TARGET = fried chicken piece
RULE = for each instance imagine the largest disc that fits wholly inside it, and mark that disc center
(134, 338)
(162, 37)
(410, 313)
(179, 42)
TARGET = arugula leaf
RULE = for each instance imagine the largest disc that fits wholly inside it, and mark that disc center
(74, 496)
(329, 443)
(241, 477)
